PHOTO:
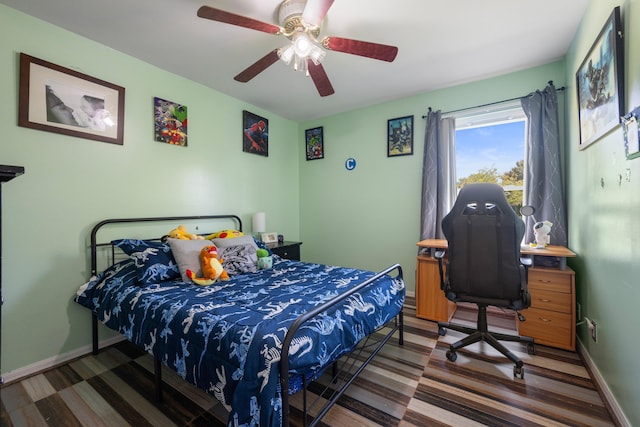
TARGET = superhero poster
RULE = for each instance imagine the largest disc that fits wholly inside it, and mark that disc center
(255, 134)
(170, 122)
(314, 143)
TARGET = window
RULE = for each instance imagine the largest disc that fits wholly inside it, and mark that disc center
(489, 147)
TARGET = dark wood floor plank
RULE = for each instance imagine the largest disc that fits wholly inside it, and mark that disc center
(56, 413)
(62, 377)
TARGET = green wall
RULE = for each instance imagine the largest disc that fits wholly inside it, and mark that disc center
(72, 183)
(368, 217)
(603, 220)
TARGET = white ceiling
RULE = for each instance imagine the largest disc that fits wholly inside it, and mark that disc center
(441, 43)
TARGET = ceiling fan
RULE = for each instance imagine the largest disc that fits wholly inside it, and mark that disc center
(300, 22)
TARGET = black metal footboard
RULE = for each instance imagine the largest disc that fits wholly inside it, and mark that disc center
(350, 377)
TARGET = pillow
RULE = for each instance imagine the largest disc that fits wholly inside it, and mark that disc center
(153, 259)
(187, 255)
(242, 240)
(225, 234)
(239, 259)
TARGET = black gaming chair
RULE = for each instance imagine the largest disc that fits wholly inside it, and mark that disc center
(483, 265)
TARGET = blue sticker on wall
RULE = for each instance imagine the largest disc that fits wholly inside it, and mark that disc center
(350, 164)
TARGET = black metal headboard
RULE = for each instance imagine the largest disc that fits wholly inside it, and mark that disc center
(98, 226)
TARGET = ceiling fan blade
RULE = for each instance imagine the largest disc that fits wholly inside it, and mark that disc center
(382, 52)
(257, 67)
(315, 11)
(233, 19)
(320, 78)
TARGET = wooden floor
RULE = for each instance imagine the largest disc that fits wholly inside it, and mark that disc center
(413, 385)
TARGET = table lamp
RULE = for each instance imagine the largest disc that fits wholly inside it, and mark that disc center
(259, 222)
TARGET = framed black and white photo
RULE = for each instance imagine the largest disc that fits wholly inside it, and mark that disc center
(60, 100)
(600, 83)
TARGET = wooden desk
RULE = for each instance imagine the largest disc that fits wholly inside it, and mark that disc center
(552, 250)
(551, 319)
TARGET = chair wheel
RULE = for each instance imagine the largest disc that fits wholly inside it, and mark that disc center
(518, 371)
(451, 355)
(531, 348)
(442, 331)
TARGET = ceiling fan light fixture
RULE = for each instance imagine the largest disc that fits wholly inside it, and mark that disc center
(302, 44)
(317, 54)
(302, 47)
(286, 54)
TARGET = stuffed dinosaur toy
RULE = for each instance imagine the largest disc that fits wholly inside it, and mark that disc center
(180, 232)
(212, 269)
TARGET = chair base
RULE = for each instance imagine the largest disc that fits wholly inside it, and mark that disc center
(481, 333)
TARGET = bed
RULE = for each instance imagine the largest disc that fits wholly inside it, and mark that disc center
(253, 340)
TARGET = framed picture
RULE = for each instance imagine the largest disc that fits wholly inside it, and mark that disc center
(170, 122)
(631, 133)
(269, 237)
(314, 143)
(400, 136)
(56, 99)
(255, 134)
(599, 82)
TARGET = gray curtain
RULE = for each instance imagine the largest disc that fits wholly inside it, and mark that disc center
(544, 188)
(438, 174)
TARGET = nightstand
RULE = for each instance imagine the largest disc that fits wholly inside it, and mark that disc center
(288, 250)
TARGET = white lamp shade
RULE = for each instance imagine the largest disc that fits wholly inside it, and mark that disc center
(259, 222)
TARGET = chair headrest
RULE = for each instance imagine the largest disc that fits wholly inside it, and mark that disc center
(482, 199)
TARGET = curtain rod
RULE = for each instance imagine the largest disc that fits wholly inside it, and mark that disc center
(560, 89)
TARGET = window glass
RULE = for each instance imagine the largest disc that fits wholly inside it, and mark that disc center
(490, 148)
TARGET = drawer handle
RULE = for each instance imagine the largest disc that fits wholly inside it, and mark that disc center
(544, 281)
(544, 320)
(544, 300)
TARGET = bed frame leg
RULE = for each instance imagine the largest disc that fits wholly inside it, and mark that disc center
(94, 332)
(157, 369)
(401, 328)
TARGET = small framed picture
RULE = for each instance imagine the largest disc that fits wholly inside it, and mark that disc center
(170, 120)
(400, 136)
(631, 133)
(314, 143)
(255, 134)
(269, 237)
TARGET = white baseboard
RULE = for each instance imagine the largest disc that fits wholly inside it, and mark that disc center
(34, 368)
(619, 417)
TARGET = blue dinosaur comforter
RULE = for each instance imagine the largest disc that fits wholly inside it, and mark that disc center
(226, 338)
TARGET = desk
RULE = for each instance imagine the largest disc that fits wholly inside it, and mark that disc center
(551, 319)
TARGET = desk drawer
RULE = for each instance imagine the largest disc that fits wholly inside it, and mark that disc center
(548, 300)
(550, 280)
(547, 327)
